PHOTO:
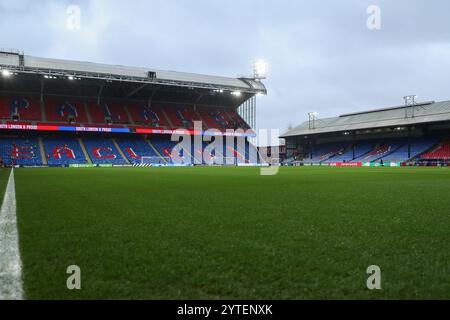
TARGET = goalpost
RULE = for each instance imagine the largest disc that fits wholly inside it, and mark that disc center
(275, 162)
(270, 161)
(155, 161)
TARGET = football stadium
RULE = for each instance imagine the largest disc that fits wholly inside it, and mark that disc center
(98, 185)
(414, 134)
(120, 181)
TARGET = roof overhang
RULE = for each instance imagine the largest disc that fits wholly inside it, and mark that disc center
(23, 64)
(43, 76)
(396, 117)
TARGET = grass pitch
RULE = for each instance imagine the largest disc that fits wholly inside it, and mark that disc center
(229, 233)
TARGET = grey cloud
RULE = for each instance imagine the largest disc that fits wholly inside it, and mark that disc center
(321, 55)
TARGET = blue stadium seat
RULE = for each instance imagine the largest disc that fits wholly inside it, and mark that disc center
(416, 147)
(135, 149)
(103, 151)
(63, 151)
(165, 146)
(326, 152)
(20, 151)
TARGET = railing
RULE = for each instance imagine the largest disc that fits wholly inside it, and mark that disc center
(11, 51)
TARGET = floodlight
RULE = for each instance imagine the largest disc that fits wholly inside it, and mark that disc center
(6, 73)
(236, 93)
(260, 69)
(70, 77)
(410, 100)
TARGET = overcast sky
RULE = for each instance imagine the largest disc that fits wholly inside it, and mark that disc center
(322, 56)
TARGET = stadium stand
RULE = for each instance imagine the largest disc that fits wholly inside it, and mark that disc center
(20, 108)
(135, 149)
(165, 147)
(442, 152)
(181, 116)
(410, 150)
(237, 121)
(143, 114)
(63, 151)
(84, 113)
(214, 117)
(108, 112)
(380, 150)
(197, 153)
(346, 153)
(103, 151)
(20, 151)
(323, 153)
(65, 110)
(397, 135)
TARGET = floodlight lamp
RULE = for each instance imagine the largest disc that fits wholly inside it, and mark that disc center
(260, 69)
(236, 93)
(6, 73)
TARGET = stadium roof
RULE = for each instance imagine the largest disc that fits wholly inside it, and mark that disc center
(389, 117)
(20, 63)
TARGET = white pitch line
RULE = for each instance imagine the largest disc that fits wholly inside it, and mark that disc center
(10, 263)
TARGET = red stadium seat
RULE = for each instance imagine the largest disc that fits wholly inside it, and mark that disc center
(441, 153)
(142, 114)
(237, 121)
(174, 116)
(215, 117)
(61, 110)
(114, 111)
(26, 108)
(181, 115)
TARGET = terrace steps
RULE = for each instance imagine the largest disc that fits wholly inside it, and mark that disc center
(43, 113)
(204, 124)
(43, 153)
(130, 118)
(88, 114)
(83, 148)
(156, 150)
(169, 121)
(120, 151)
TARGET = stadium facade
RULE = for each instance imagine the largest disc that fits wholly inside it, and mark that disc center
(412, 134)
(70, 113)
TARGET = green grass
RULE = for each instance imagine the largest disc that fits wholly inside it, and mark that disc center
(229, 233)
(4, 176)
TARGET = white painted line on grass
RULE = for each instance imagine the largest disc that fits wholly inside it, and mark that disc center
(10, 263)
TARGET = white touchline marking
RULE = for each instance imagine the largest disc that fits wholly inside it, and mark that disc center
(10, 263)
